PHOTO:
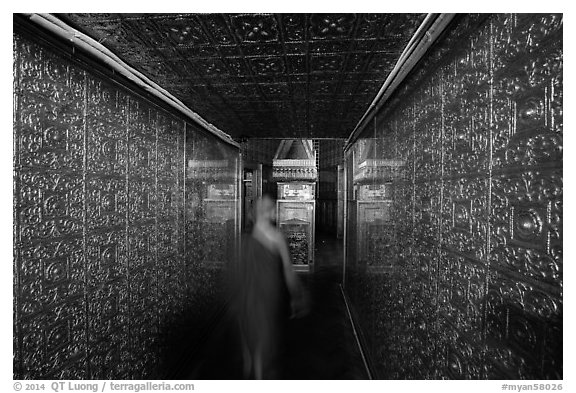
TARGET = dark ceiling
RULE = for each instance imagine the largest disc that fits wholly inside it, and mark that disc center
(262, 75)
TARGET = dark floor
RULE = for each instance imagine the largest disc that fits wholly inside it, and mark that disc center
(318, 346)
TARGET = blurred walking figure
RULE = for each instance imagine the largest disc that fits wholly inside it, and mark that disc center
(268, 293)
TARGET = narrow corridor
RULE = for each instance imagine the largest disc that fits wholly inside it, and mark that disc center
(431, 144)
(319, 346)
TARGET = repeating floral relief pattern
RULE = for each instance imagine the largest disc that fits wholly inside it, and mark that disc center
(300, 75)
(474, 288)
(107, 258)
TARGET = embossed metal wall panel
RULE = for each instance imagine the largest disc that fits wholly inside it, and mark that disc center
(49, 202)
(476, 288)
(293, 75)
(172, 280)
(100, 274)
(211, 223)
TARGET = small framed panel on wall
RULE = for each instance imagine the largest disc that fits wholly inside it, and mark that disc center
(296, 219)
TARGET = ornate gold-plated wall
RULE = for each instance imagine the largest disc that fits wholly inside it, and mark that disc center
(111, 237)
(475, 285)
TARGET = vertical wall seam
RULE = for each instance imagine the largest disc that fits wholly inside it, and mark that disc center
(239, 204)
(183, 204)
(127, 224)
(345, 219)
(488, 213)
(85, 226)
(156, 270)
(179, 197)
(442, 153)
(413, 179)
(17, 124)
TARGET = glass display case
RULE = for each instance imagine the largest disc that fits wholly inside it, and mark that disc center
(295, 217)
(373, 180)
(213, 211)
(373, 223)
(219, 220)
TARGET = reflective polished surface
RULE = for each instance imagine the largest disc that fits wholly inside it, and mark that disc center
(319, 346)
(114, 231)
(125, 214)
(468, 282)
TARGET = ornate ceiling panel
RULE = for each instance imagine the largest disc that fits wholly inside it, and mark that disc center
(262, 75)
